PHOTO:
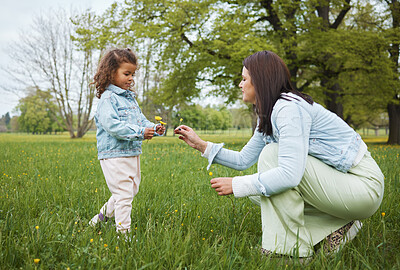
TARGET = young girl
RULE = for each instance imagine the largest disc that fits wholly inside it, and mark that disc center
(121, 128)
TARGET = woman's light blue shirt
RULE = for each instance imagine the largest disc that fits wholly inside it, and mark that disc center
(300, 129)
(120, 124)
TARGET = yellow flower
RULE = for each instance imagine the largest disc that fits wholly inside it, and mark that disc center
(383, 214)
(210, 173)
(105, 245)
(158, 118)
(37, 227)
(180, 120)
(162, 123)
(116, 248)
(91, 240)
(36, 261)
(204, 239)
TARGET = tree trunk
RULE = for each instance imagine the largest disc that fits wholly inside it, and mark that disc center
(394, 123)
(332, 101)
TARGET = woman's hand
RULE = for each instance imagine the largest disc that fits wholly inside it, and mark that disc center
(148, 133)
(191, 138)
(222, 185)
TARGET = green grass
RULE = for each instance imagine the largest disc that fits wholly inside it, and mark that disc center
(179, 222)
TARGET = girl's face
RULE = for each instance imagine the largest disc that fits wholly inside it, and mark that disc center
(249, 94)
(123, 77)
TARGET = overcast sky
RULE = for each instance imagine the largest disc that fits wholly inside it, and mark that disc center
(18, 14)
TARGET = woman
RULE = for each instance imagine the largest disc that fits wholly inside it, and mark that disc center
(315, 177)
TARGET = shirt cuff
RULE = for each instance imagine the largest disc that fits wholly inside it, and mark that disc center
(243, 186)
(206, 153)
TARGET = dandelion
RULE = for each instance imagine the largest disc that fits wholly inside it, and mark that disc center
(105, 245)
(163, 123)
(76, 222)
(204, 239)
(181, 224)
(116, 248)
(180, 120)
(36, 261)
(37, 227)
(158, 118)
(176, 211)
(383, 214)
(91, 240)
(210, 173)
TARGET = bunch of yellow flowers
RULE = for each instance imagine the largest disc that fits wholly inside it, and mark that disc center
(158, 118)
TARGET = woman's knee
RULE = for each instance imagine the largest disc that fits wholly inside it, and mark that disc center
(268, 158)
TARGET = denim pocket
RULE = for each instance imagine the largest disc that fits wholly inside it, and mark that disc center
(124, 112)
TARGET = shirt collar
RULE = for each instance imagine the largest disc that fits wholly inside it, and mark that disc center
(119, 91)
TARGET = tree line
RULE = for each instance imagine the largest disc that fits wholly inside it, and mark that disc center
(345, 53)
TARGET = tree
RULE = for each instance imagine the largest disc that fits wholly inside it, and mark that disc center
(37, 113)
(393, 104)
(201, 44)
(52, 61)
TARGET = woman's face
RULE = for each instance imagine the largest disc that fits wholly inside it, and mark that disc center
(249, 94)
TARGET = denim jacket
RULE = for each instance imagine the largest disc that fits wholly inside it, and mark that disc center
(120, 124)
(300, 129)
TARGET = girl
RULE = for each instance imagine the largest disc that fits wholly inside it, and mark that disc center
(121, 128)
(315, 176)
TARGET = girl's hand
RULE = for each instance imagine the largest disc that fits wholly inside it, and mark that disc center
(191, 138)
(160, 129)
(148, 133)
(222, 185)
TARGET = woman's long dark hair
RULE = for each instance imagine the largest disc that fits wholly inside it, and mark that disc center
(270, 78)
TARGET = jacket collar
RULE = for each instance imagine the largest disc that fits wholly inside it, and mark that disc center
(119, 91)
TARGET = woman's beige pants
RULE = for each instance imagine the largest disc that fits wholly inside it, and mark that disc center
(325, 200)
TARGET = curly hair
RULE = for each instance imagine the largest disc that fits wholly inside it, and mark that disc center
(108, 65)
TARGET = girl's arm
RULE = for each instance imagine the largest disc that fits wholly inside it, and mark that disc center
(108, 117)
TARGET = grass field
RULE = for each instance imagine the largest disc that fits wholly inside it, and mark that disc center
(50, 186)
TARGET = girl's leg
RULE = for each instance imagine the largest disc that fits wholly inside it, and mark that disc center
(123, 179)
(324, 201)
(107, 211)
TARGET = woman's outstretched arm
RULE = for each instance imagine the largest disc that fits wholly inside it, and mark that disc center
(216, 154)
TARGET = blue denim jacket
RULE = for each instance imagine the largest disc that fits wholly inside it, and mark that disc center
(120, 124)
(300, 129)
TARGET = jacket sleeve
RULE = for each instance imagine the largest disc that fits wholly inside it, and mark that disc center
(234, 159)
(293, 126)
(107, 115)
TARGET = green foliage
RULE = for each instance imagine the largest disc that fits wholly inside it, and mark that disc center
(178, 220)
(342, 52)
(206, 118)
(38, 113)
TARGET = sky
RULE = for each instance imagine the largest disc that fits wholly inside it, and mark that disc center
(17, 15)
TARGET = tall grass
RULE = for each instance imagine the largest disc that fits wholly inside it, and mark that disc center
(50, 187)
